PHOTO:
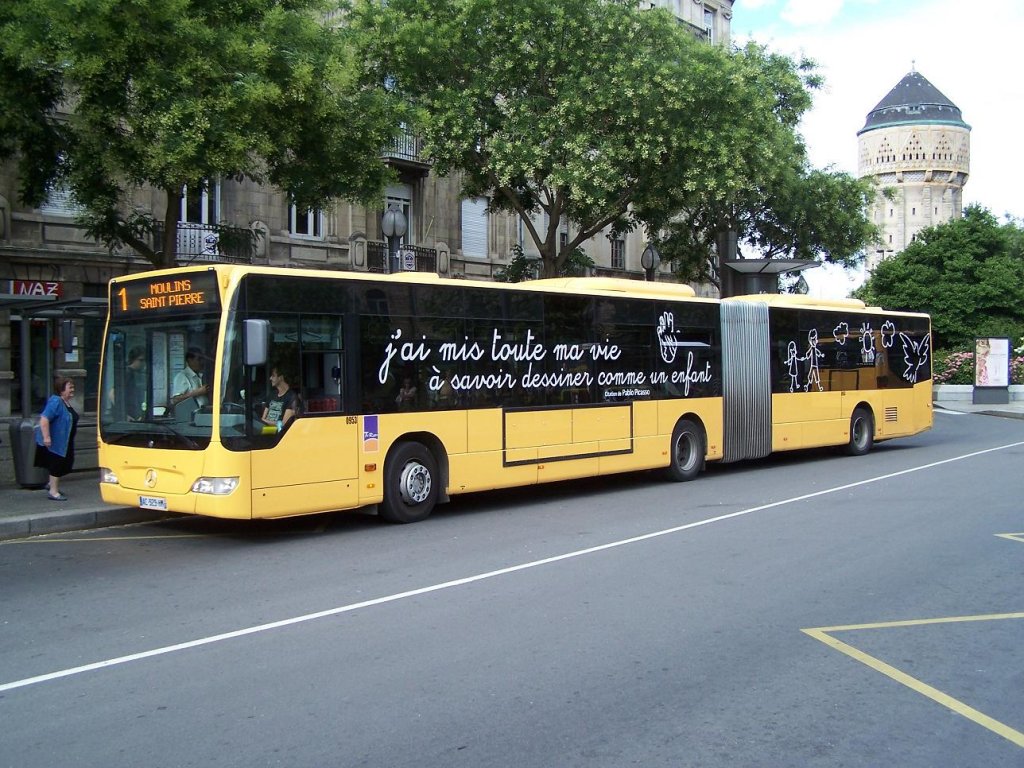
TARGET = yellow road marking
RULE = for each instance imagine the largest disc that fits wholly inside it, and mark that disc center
(1012, 536)
(823, 634)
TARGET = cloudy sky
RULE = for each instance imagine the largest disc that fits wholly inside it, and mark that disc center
(972, 52)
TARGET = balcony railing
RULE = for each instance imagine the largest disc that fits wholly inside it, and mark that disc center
(210, 242)
(411, 258)
(406, 149)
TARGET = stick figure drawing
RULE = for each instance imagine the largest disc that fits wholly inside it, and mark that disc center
(793, 364)
(812, 357)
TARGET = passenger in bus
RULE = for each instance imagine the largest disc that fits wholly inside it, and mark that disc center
(446, 394)
(135, 384)
(282, 406)
(188, 390)
(406, 399)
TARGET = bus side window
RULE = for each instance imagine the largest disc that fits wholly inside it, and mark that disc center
(322, 377)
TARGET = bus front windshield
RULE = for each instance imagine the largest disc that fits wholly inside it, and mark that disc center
(156, 385)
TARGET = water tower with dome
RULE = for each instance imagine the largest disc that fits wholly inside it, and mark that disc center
(916, 144)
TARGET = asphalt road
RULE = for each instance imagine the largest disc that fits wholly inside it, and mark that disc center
(810, 610)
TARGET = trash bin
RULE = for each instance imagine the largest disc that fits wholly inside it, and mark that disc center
(23, 450)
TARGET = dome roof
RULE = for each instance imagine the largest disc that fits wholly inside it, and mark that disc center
(913, 100)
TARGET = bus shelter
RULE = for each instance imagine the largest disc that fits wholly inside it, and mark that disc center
(55, 337)
(748, 276)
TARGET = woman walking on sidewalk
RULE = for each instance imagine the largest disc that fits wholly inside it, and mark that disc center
(55, 436)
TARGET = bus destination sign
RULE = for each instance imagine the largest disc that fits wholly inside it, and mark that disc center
(196, 292)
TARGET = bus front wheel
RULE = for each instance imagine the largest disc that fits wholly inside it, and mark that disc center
(687, 451)
(862, 432)
(410, 484)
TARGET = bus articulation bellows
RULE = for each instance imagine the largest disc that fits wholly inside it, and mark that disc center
(408, 389)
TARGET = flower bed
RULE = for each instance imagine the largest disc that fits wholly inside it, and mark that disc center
(958, 368)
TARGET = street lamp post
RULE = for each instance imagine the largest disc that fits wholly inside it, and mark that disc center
(650, 259)
(393, 224)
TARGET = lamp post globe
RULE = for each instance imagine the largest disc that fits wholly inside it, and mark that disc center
(393, 225)
(650, 259)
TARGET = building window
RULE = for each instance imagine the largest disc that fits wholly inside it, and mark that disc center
(474, 227)
(308, 223)
(60, 201)
(709, 24)
(618, 254)
(201, 205)
(198, 218)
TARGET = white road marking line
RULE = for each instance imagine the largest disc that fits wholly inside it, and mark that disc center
(168, 649)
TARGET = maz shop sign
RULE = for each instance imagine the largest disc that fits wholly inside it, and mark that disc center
(36, 288)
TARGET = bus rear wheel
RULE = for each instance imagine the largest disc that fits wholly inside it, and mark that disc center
(862, 432)
(687, 451)
(410, 484)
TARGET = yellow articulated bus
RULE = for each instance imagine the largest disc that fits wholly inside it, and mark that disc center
(250, 392)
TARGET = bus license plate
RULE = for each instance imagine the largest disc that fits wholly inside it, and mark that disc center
(153, 502)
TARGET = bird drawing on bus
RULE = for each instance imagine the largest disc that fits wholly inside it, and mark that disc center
(915, 355)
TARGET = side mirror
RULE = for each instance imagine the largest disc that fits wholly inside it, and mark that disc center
(255, 341)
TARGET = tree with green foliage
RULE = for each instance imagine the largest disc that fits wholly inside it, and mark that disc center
(606, 116)
(968, 274)
(176, 93)
(778, 205)
(794, 213)
(29, 129)
(521, 268)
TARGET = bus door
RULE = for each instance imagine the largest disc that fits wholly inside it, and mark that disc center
(311, 464)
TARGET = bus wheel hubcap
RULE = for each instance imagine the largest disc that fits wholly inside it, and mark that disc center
(415, 484)
(684, 452)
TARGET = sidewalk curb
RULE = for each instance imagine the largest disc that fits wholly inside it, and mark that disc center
(23, 526)
(1002, 414)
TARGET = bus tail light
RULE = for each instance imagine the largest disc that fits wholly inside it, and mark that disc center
(215, 486)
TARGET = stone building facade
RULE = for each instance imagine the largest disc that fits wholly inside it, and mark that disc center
(915, 144)
(53, 279)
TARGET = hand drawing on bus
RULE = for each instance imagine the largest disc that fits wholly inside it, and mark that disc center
(867, 343)
(915, 355)
(793, 363)
(841, 332)
(666, 337)
(888, 333)
(812, 357)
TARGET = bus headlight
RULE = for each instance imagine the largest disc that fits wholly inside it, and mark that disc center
(216, 486)
(108, 476)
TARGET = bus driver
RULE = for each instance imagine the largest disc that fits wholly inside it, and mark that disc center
(189, 390)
